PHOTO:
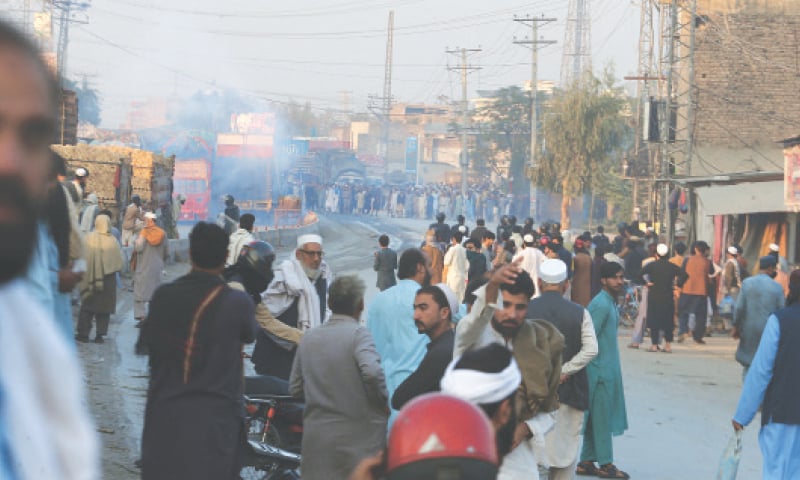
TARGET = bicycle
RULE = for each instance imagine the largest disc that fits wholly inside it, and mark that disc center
(628, 304)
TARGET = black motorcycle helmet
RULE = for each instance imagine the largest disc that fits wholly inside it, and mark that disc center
(255, 266)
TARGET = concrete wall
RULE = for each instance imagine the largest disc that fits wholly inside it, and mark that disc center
(278, 238)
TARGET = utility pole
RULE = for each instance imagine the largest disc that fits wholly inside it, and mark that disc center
(465, 69)
(577, 56)
(667, 120)
(644, 178)
(67, 8)
(534, 42)
(387, 89)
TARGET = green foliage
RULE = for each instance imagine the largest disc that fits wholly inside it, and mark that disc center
(503, 128)
(585, 134)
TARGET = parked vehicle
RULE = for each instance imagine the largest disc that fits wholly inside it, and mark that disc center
(274, 430)
(265, 458)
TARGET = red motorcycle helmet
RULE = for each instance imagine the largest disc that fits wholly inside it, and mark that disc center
(440, 437)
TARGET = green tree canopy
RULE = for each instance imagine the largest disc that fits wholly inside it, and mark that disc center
(503, 134)
(585, 132)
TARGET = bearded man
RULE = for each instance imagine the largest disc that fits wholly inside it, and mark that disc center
(297, 297)
(498, 316)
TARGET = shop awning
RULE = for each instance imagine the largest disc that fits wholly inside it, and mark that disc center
(739, 198)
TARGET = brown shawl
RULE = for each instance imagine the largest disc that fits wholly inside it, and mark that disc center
(538, 348)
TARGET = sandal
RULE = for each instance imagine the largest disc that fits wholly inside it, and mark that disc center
(654, 349)
(586, 468)
(634, 346)
(611, 471)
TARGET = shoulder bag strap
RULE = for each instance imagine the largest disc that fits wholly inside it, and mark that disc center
(198, 314)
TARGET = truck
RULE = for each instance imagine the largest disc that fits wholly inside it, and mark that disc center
(193, 179)
(194, 152)
(244, 168)
(117, 173)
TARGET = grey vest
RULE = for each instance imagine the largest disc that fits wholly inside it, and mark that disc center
(567, 317)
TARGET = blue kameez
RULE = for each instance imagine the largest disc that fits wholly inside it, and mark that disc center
(390, 320)
(780, 442)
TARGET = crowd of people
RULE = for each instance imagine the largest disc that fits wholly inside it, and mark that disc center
(414, 201)
(497, 369)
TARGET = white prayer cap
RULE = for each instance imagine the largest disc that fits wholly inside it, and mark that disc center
(732, 250)
(451, 298)
(308, 238)
(150, 215)
(528, 238)
(662, 250)
(553, 271)
(773, 247)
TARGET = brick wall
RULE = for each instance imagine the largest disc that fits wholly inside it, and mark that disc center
(747, 74)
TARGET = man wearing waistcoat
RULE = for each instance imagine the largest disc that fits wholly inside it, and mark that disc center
(773, 378)
(560, 452)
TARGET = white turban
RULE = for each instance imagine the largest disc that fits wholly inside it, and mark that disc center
(480, 387)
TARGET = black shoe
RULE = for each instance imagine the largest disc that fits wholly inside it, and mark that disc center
(700, 342)
(99, 339)
(82, 338)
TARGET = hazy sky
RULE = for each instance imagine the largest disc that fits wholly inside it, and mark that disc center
(313, 50)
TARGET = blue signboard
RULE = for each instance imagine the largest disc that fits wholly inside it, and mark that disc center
(412, 149)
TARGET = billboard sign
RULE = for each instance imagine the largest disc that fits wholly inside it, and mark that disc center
(253, 123)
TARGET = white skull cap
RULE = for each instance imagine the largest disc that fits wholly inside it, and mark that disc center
(308, 238)
(553, 271)
(451, 298)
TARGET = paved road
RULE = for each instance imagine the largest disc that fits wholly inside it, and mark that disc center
(679, 406)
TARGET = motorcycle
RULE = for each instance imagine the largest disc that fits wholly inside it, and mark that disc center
(274, 426)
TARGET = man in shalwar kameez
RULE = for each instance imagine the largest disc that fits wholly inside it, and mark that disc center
(773, 378)
(390, 320)
(337, 372)
(606, 416)
(498, 316)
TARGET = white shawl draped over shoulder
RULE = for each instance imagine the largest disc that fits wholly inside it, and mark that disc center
(291, 282)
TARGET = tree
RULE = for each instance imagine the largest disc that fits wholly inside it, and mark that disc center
(88, 101)
(211, 111)
(504, 135)
(584, 132)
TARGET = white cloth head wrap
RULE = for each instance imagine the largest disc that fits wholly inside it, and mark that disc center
(480, 387)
